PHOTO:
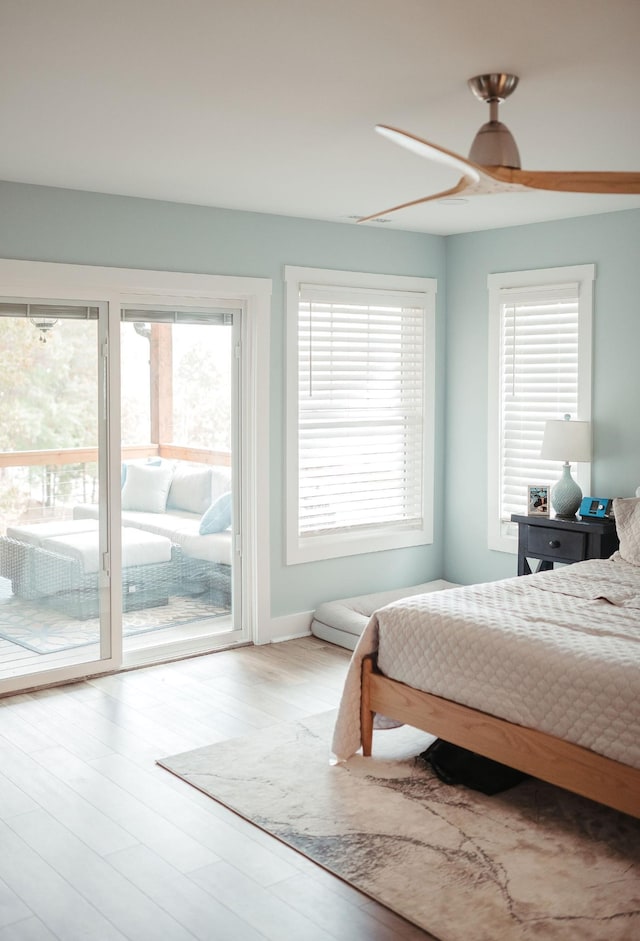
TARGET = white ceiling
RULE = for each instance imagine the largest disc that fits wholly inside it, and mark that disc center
(270, 105)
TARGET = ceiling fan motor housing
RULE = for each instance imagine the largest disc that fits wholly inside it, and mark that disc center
(493, 145)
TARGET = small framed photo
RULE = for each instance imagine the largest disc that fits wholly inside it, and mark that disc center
(538, 500)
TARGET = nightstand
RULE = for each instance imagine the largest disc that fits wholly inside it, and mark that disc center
(551, 539)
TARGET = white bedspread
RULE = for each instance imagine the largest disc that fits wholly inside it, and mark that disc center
(556, 651)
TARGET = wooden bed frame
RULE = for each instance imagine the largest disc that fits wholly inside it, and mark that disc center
(543, 756)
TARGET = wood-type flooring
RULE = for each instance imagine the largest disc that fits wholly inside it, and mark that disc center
(98, 843)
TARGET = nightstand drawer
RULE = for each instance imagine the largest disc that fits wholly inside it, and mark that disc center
(552, 540)
(555, 543)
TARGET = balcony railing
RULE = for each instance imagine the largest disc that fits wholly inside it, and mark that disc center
(46, 484)
(90, 455)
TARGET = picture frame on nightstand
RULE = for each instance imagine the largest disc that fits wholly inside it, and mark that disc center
(538, 500)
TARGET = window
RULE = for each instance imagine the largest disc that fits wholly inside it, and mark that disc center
(360, 375)
(539, 369)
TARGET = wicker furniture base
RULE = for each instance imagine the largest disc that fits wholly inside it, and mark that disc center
(58, 580)
(199, 578)
(144, 586)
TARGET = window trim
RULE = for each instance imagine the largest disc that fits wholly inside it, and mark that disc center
(502, 536)
(299, 548)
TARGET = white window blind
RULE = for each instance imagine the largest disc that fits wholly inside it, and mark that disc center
(539, 381)
(360, 406)
(542, 343)
(360, 400)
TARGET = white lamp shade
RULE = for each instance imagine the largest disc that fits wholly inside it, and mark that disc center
(566, 441)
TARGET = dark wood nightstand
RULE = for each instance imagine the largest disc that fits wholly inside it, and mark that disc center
(551, 539)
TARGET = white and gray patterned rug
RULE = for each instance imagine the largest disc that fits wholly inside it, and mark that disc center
(40, 629)
(534, 862)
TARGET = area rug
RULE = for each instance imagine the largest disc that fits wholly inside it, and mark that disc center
(534, 862)
(43, 630)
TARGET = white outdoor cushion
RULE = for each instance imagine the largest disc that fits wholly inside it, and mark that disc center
(146, 488)
(216, 547)
(190, 489)
(220, 482)
(35, 533)
(138, 548)
(181, 528)
(163, 524)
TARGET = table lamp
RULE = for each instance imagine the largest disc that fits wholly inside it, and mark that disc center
(566, 441)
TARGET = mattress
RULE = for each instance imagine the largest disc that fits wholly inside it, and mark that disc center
(556, 651)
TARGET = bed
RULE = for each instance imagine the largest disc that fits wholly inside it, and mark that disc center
(540, 672)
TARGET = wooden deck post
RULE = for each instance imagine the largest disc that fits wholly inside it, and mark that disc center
(161, 383)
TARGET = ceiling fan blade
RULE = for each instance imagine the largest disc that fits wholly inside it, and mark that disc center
(460, 187)
(431, 151)
(566, 181)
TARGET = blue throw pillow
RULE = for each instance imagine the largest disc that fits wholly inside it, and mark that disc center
(217, 517)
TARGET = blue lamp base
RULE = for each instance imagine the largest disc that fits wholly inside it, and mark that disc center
(566, 495)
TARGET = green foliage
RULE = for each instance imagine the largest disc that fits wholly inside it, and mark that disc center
(202, 400)
(48, 391)
(49, 401)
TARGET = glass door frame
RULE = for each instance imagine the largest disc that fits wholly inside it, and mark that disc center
(109, 656)
(239, 633)
(118, 287)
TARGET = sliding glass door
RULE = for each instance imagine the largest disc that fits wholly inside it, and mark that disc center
(178, 382)
(54, 590)
(175, 554)
(121, 444)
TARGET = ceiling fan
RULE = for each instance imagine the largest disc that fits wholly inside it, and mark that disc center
(493, 165)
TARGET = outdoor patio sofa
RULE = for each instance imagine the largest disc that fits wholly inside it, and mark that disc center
(189, 504)
(57, 563)
(176, 539)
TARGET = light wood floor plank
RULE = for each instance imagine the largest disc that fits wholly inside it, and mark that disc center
(99, 843)
(13, 799)
(202, 823)
(50, 897)
(29, 929)
(133, 817)
(402, 930)
(36, 714)
(90, 724)
(18, 731)
(207, 918)
(12, 909)
(46, 788)
(326, 907)
(114, 896)
(275, 918)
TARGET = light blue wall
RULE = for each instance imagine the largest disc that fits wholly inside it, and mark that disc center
(45, 224)
(612, 242)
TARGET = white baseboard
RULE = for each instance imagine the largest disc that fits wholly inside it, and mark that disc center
(287, 627)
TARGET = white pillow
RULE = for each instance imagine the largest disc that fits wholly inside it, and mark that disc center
(190, 488)
(220, 481)
(146, 488)
(627, 515)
